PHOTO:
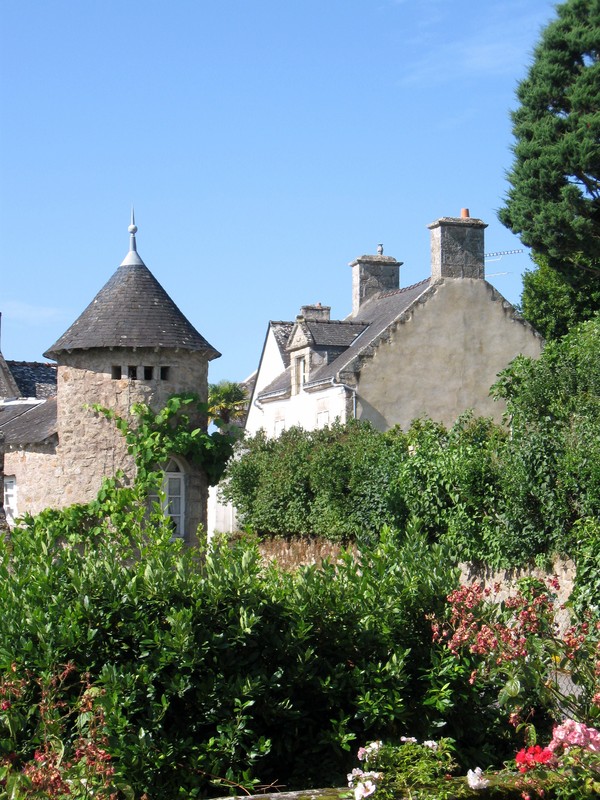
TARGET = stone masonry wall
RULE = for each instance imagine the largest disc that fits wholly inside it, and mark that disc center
(89, 446)
(38, 476)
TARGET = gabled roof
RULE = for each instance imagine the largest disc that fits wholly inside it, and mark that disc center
(33, 378)
(369, 326)
(381, 312)
(132, 310)
(28, 422)
(332, 333)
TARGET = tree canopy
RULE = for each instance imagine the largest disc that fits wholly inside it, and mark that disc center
(554, 302)
(227, 402)
(553, 202)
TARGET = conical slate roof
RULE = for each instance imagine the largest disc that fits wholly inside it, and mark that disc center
(132, 310)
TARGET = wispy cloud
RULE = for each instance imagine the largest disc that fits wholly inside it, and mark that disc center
(502, 46)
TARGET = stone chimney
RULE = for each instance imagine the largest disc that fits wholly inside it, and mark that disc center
(372, 275)
(317, 312)
(457, 247)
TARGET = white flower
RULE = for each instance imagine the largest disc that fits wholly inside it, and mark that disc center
(408, 739)
(431, 744)
(364, 790)
(476, 780)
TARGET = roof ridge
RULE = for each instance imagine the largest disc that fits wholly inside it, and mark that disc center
(31, 363)
(402, 289)
(334, 322)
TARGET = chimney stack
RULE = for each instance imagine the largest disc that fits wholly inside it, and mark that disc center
(457, 249)
(372, 275)
(317, 312)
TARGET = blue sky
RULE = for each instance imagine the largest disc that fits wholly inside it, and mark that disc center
(264, 143)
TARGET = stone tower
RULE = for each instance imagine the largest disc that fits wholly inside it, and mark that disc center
(131, 344)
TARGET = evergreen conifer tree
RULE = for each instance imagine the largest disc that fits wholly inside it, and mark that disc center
(553, 203)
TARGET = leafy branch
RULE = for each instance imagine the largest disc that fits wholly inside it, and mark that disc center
(178, 429)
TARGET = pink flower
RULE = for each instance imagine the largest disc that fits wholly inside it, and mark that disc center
(364, 790)
(575, 734)
(370, 749)
(356, 773)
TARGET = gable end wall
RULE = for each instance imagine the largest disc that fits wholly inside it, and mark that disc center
(442, 356)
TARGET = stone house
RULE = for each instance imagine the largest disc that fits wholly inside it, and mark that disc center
(131, 344)
(432, 349)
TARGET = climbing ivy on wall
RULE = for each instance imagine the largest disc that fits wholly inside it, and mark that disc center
(178, 429)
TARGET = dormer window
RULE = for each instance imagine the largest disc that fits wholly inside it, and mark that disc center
(300, 373)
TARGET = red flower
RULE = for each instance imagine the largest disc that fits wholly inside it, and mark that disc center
(528, 758)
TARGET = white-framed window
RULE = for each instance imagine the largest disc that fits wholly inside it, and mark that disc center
(10, 498)
(173, 497)
(300, 373)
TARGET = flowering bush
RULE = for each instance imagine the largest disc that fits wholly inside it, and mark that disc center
(66, 753)
(520, 647)
(410, 769)
(568, 767)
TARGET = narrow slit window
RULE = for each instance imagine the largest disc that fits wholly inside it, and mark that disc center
(148, 373)
(132, 372)
(10, 498)
(116, 373)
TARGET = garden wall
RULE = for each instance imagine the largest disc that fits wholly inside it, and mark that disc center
(299, 551)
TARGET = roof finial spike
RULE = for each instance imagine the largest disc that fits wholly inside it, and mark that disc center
(132, 232)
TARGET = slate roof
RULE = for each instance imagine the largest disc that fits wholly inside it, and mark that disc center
(33, 378)
(132, 310)
(281, 385)
(334, 333)
(28, 422)
(381, 312)
(281, 332)
(375, 317)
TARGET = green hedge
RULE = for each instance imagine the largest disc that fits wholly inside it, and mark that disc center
(210, 666)
(503, 495)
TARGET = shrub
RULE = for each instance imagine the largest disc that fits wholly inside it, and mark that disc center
(209, 668)
(334, 482)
